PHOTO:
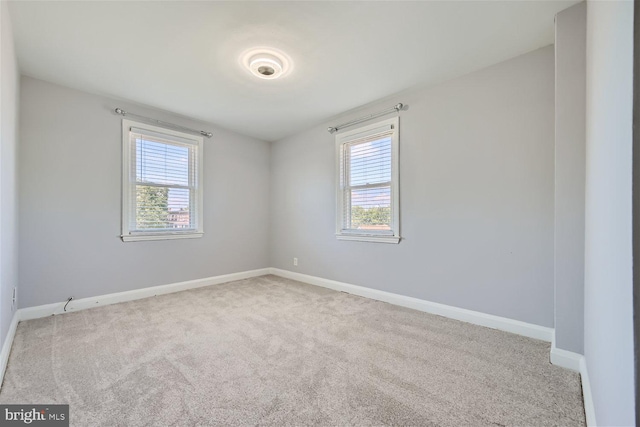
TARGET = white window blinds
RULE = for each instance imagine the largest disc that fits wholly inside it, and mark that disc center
(367, 186)
(163, 189)
(367, 199)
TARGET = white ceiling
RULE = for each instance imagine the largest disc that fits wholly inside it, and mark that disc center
(184, 56)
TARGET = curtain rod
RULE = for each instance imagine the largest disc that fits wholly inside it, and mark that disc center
(121, 112)
(396, 108)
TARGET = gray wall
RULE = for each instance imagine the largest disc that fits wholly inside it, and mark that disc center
(70, 189)
(608, 340)
(476, 196)
(9, 87)
(570, 146)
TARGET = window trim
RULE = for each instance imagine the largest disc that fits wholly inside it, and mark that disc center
(379, 127)
(133, 236)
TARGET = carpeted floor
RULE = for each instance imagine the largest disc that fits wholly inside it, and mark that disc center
(272, 351)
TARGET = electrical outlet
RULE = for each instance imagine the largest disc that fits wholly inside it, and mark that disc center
(295, 261)
(14, 298)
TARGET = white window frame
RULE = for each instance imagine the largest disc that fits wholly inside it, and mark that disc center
(342, 139)
(128, 179)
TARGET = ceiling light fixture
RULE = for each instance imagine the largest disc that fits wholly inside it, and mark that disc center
(266, 63)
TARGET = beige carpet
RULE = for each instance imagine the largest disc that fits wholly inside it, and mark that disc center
(271, 351)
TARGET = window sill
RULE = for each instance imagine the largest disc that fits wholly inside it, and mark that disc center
(369, 238)
(165, 236)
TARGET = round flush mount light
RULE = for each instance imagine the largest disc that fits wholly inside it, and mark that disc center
(265, 66)
(266, 63)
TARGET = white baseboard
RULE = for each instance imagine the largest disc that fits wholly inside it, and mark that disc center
(559, 357)
(576, 362)
(564, 358)
(589, 409)
(6, 346)
(475, 317)
(84, 303)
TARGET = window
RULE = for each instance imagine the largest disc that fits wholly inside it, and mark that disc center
(367, 199)
(162, 183)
